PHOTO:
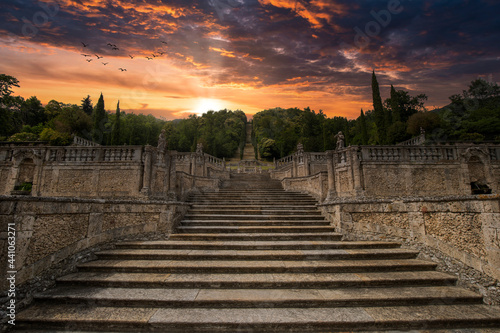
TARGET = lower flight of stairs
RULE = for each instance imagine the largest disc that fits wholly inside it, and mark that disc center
(256, 259)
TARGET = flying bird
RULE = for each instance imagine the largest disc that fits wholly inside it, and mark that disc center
(154, 55)
(122, 69)
(149, 58)
(131, 57)
(86, 55)
(105, 63)
(114, 48)
(109, 44)
(161, 53)
(84, 45)
(89, 60)
(98, 57)
(164, 42)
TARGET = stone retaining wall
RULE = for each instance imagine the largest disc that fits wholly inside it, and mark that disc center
(54, 235)
(462, 234)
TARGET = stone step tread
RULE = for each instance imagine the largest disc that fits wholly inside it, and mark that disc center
(263, 228)
(182, 254)
(289, 319)
(256, 216)
(256, 208)
(258, 266)
(241, 222)
(259, 236)
(304, 280)
(252, 212)
(198, 297)
(257, 244)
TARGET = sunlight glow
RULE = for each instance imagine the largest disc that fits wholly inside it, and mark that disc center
(208, 104)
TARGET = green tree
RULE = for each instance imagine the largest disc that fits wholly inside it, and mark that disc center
(378, 110)
(87, 106)
(8, 104)
(115, 134)
(362, 128)
(99, 120)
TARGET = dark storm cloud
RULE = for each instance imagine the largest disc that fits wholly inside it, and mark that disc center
(311, 44)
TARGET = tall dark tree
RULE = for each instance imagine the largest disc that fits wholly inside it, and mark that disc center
(99, 119)
(115, 134)
(87, 106)
(363, 128)
(378, 110)
(395, 105)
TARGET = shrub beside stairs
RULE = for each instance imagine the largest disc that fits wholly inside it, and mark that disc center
(255, 258)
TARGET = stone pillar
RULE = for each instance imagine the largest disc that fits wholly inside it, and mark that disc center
(146, 179)
(172, 175)
(307, 171)
(357, 173)
(332, 192)
(294, 166)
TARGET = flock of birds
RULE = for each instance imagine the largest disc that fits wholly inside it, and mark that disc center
(116, 48)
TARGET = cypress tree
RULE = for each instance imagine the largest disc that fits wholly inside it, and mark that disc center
(99, 119)
(115, 134)
(396, 112)
(363, 128)
(378, 110)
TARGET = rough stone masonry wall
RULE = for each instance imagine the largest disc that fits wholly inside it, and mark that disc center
(462, 234)
(53, 235)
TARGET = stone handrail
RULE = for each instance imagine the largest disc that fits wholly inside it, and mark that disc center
(78, 141)
(416, 141)
(95, 154)
(408, 153)
(287, 160)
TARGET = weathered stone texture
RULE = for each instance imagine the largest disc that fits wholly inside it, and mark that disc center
(344, 183)
(397, 220)
(120, 220)
(118, 183)
(54, 232)
(461, 230)
(71, 182)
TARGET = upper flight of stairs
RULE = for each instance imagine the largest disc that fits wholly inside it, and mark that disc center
(254, 258)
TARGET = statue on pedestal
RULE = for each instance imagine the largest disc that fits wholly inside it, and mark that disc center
(340, 140)
(162, 142)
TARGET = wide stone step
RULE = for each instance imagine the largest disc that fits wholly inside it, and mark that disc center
(256, 245)
(355, 254)
(252, 212)
(270, 298)
(252, 217)
(237, 222)
(256, 266)
(256, 229)
(262, 202)
(313, 236)
(259, 281)
(241, 208)
(140, 319)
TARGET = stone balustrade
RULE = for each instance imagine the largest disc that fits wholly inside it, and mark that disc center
(79, 141)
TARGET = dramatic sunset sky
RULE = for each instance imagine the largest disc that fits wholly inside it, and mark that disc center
(246, 54)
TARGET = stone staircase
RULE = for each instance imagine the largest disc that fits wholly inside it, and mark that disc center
(254, 258)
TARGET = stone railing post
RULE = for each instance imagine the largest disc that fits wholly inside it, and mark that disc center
(357, 173)
(172, 175)
(146, 179)
(332, 192)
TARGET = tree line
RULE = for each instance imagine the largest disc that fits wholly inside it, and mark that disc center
(472, 116)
